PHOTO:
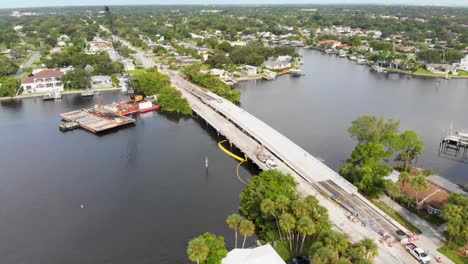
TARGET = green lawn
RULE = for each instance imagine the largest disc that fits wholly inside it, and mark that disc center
(462, 73)
(449, 253)
(137, 71)
(396, 216)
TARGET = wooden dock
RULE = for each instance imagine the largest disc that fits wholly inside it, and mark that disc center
(96, 120)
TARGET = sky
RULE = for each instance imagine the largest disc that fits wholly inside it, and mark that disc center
(37, 3)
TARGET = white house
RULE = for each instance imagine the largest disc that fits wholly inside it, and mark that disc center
(43, 82)
(265, 254)
(217, 72)
(441, 68)
(276, 65)
(248, 70)
(101, 81)
(464, 64)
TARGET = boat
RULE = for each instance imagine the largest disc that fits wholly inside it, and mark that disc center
(329, 51)
(89, 93)
(68, 126)
(296, 73)
(379, 69)
(361, 61)
(353, 58)
(52, 96)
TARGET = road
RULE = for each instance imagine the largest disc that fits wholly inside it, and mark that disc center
(19, 74)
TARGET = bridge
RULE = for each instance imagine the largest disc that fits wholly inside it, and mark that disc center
(252, 136)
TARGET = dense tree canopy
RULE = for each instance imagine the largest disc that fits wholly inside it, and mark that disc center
(8, 86)
(7, 66)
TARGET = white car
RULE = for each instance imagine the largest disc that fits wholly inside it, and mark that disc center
(271, 164)
(418, 253)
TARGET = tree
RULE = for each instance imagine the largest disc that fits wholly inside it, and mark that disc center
(455, 212)
(368, 128)
(150, 83)
(305, 227)
(8, 86)
(393, 191)
(288, 223)
(247, 229)
(76, 79)
(368, 248)
(404, 178)
(419, 184)
(233, 222)
(323, 255)
(171, 100)
(268, 207)
(365, 169)
(7, 66)
(218, 59)
(198, 250)
(217, 248)
(411, 148)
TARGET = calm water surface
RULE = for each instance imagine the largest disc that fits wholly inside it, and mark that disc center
(316, 110)
(145, 189)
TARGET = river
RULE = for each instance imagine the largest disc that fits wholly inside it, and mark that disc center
(316, 110)
(145, 190)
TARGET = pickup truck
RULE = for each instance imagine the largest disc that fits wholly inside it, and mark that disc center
(418, 253)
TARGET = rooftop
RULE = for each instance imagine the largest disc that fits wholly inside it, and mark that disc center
(259, 255)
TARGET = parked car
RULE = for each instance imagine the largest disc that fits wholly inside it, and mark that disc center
(299, 260)
(418, 253)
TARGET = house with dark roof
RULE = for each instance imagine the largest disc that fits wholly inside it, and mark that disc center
(43, 82)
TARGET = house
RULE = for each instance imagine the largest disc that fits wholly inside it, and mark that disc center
(101, 81)
(285, 58)
(248, 70)
(405, 48)
(333, 43)
(464, 64)
(128, 65)
(238, 43)
(262, 254)
(441, 68)
(276, 65)
(43, 82)
(217, 72)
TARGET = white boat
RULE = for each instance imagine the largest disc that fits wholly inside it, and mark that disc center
(361, 61)
(379, 69)
(89, 93)
(52, 96)
(353, 58)
(329, 51)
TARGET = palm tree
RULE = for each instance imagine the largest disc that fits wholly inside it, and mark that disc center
(453, 214)
(419, 184)
(268, 208)
(247, 229)
(404, 178)
(368, 248)
(233, 222)
(300, 208)
(306, 227)
(282, 203)
(197, 250)
(337, 242)
(288, 223)
(393, 191)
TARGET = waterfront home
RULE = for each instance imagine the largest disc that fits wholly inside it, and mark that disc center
(261, 254)
(285, 58)
(248, 70)
(217, 72)
(183, 61)
(44, 81)
(441, 68)
(464, 64)
(405, 48)
(101, 81)
(333, 43)
(276, 65)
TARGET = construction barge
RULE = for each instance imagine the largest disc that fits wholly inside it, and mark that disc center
(97, 119)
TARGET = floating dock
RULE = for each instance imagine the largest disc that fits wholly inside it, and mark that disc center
(97, 120)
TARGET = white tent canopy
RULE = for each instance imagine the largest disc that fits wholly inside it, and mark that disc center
(259, 255)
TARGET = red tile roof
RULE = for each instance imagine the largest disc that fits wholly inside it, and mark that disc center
(30, 79)
(48, 74)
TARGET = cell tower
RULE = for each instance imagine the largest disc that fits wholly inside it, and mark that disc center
(109, 18)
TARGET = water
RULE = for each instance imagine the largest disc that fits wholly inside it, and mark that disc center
(316, 110)
(145, 190)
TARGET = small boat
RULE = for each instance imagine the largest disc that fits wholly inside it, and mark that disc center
(68, 126)
(52, 96)
(361, 61)
(89, 93)
(296, 73)
(353, 58)
(329, 51)
(379, 69)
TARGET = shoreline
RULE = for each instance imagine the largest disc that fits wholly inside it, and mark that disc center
(242, 79)
(27, 96)
(391, 70)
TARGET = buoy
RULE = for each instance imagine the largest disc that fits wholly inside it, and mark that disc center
(82, 206)
(206, 162)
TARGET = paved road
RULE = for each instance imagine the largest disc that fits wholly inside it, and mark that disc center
(31, 60)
